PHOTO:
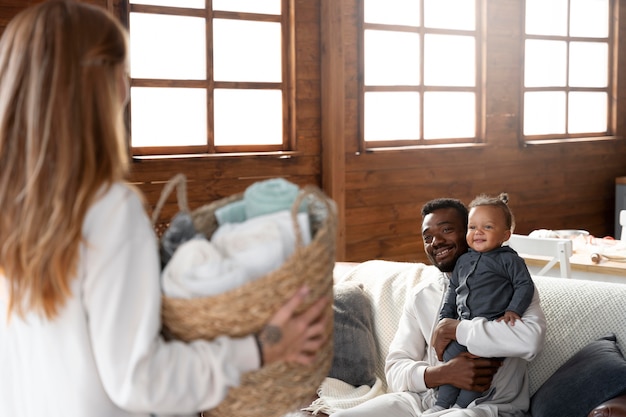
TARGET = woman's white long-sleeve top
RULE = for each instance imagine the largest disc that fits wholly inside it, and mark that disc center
(103, 355)
(410, 352)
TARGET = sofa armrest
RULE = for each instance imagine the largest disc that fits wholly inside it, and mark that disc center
(615, 407)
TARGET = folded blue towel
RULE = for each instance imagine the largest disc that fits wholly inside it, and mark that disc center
(234, 212)
(269, 196)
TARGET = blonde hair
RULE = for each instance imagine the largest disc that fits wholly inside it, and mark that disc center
(62, 138)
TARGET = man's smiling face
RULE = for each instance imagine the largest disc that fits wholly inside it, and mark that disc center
(443, 233)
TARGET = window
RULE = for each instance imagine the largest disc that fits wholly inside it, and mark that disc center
(210, 76)
(420, 63)
(567, 69)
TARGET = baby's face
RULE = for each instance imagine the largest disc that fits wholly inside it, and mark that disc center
(487, 228)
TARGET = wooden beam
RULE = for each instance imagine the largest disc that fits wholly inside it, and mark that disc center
(333, 141)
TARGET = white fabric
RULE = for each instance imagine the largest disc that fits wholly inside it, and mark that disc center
(103, 356)
(198, 269)
(578, 312)
(238, 253)
(405, 404)
(335, 394)
(261, 244)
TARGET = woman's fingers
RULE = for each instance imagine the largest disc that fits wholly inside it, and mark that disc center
(287, 310)
(295, 337)
(316, 311)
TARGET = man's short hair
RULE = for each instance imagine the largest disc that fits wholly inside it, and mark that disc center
(443, 203)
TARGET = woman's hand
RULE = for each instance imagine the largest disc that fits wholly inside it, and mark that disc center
(292, 337)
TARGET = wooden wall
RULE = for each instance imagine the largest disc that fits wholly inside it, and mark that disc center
(380, 194)
(554, 186)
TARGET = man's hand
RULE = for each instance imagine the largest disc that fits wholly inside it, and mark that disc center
(444, 333)
(466, 371)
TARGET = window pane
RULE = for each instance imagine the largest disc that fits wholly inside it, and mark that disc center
(155, 47)
(546, 17)
(397, 12)
(449, 60)
(450, 14)
(391, 58)
(587, 112)
(392, 115)
(588, 64)
(246, 51)
(194, 4)
(544, 113)
(248, 117)
(589, 18)
(545, 64)
(438, 106)
(168, 116)
(248, 6)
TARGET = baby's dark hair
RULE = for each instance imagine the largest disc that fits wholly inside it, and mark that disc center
(501, 202)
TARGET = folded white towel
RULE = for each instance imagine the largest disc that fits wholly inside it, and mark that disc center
(197, 269)
(256, 247)
(271, 235)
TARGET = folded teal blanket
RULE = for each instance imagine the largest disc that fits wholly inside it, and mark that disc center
(269, 196)
(260, 198)
(234, 212)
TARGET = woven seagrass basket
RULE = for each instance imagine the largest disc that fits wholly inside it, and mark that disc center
(277, 388)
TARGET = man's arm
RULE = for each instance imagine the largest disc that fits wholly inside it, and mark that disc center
(407, 359)
(498, 339)
(410, 365)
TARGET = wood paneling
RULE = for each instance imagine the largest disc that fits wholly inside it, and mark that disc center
(333, 115)
(557, 186)
(550, 185)
(214, 178)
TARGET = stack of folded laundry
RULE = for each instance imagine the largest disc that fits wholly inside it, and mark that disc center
(255, 236)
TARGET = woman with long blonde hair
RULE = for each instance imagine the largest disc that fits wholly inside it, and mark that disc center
(79, 269)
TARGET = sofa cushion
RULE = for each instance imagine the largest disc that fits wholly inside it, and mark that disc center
(355, 355)
(593, 375)
(577, 312)
(388, 284)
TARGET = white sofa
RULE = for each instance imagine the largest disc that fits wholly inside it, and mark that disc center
(577, 313)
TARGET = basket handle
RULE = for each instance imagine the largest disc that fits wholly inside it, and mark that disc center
(180, 182)
(308, 190)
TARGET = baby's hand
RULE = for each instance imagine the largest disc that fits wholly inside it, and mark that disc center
(509, 317)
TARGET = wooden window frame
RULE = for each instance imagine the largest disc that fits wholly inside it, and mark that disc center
(422, 31)
(610, 90)
(123, 8)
